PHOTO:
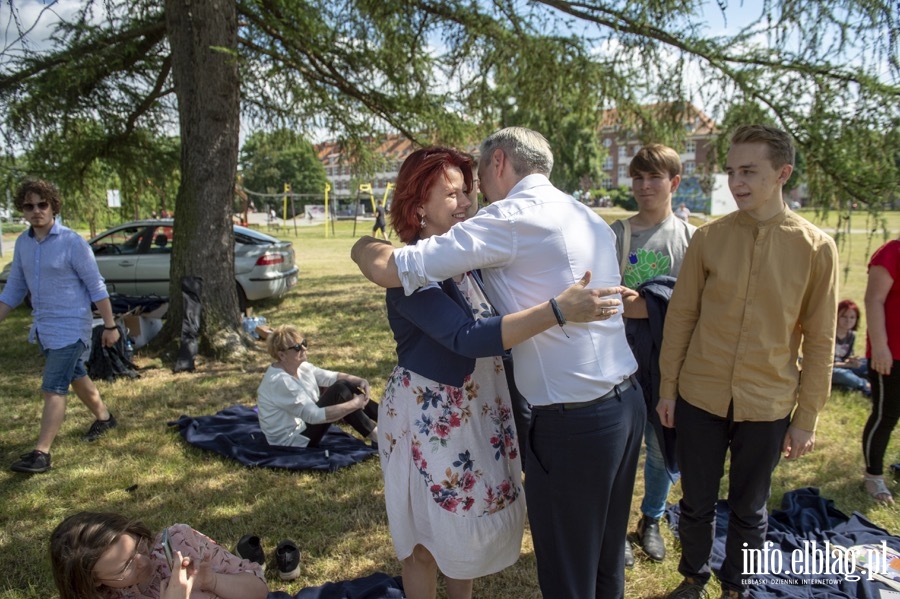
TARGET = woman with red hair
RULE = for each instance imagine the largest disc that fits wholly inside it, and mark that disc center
(850, 371)
(448, 448)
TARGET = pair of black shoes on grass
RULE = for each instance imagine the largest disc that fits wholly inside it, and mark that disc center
(287, 556)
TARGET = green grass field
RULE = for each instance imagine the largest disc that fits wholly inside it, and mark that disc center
(145, 470)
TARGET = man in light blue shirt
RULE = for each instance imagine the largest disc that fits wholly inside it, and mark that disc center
(57, 267)
(588, 416)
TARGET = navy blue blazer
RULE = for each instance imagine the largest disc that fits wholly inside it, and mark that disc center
(645, 337)
(437, 335)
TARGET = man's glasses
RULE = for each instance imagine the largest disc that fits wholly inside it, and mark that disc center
(39, 206)
(128, 569)
(302, 346)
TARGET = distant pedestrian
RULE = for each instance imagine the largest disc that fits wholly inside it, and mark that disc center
(682, 212)
(57, 267)
(379, 221)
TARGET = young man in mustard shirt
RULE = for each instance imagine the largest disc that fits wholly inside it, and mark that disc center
(756, 287)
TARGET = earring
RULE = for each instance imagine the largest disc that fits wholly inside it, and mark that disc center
(422, 222)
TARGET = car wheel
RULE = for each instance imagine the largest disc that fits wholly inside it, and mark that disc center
(242, 299)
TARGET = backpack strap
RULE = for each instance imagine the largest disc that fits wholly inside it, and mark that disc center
(626, 245)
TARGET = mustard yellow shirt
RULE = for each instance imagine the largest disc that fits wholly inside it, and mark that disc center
(749, 297)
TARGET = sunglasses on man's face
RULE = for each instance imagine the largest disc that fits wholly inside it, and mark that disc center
(39, 206)
(302, 346)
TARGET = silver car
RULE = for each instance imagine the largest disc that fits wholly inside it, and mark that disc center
(134, 260)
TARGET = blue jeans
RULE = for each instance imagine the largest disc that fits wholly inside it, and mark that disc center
(656, 479)
(852, 378)
(63, 366)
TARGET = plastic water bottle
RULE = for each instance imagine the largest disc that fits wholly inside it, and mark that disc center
(129, 349)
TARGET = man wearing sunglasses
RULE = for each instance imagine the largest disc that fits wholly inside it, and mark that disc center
(57, 267)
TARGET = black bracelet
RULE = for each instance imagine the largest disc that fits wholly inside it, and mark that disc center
(560, 319)
(112, 328)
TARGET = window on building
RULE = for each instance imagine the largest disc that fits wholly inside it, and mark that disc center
(689, 167)
(690, 147)
(608, 163)
(607, 142)
(623, 174)
(623, 149)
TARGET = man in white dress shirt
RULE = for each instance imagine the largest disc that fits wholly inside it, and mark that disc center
(531, 243)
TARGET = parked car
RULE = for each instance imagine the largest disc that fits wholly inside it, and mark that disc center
(134, 260)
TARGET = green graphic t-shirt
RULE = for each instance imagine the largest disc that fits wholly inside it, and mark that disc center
(655, 251)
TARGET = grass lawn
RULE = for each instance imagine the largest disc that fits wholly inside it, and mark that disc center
(338, 520)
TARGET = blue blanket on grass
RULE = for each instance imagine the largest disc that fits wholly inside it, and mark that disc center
(234, 432)
(375, 586)
(805, 517)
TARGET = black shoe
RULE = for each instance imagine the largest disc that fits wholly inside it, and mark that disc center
(33, 463)
(629, 555)
(287, 557)
(650, 539)
(249, 548)
(99, 428)
(689, 588)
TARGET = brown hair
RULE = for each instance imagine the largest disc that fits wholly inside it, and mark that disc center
(281, 338)
(78, 543)
(655, 158)
(418, 175)
(44, 189)
(781, 148)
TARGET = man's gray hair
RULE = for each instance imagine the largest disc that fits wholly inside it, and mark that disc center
(527, 151)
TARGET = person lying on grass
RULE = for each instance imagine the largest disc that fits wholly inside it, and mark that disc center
(108, 556)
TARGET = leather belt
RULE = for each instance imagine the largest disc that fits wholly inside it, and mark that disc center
(613, 393)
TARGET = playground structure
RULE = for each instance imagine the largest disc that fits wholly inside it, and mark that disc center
(296, 209)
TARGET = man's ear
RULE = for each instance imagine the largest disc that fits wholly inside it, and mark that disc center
(785, 173)
(676, 181)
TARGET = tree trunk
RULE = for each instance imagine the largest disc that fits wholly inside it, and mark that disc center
(203, 39)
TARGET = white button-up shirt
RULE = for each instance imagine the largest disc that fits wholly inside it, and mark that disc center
(531, 246)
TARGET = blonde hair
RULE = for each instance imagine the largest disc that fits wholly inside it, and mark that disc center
(779, 144)
(281, 338)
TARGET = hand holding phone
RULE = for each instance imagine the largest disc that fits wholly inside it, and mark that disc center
(167, 547)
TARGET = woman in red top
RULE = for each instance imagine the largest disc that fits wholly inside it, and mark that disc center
(883, 351)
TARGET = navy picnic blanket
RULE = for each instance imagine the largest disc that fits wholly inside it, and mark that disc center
(234, 432)
(375, 586)
(805, 517)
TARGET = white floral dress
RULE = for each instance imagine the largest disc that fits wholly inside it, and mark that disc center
(452, 473)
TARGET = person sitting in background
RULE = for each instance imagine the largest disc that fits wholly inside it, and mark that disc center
(849, 371)
(291, 411)
(108, 556)
(682, 212)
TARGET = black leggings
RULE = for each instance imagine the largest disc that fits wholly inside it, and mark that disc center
(362, 421)
(883, 419)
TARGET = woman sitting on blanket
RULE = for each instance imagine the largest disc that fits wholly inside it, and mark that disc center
(291, 410)
(108, 556)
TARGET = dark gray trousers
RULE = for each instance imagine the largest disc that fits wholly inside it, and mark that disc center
(702, 442)
(579, 478)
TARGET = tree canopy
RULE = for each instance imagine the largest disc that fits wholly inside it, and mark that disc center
(449, 71)
(268, 160)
